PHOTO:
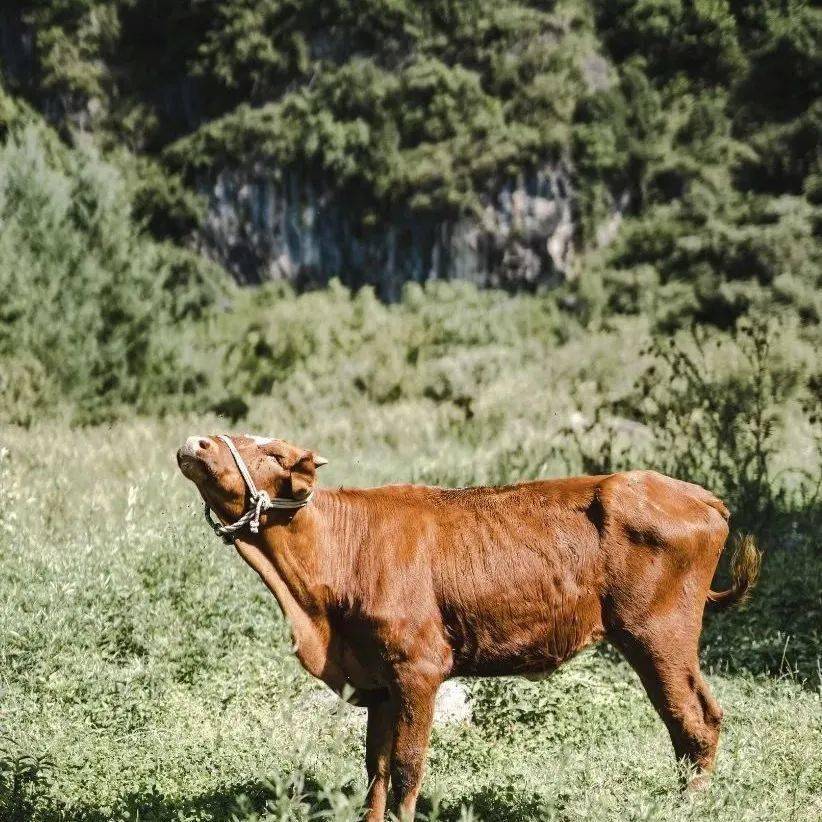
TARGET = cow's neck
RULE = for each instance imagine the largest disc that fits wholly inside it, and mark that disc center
(297, 558)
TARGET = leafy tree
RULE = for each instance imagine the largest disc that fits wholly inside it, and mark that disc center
(694, 126)
(88, 301)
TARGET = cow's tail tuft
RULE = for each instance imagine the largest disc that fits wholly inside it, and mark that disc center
(745, 564)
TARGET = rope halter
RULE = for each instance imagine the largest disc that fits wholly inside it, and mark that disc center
(260, 502)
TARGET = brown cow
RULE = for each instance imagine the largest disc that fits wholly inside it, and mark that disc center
(389, 591)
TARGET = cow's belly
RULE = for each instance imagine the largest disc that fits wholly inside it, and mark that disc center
(533, 661)
(529, 642)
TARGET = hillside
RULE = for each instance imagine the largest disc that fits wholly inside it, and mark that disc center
(654, 145)
(650, 166)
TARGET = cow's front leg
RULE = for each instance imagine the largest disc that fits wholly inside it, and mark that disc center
(414, 698)
(378, 743)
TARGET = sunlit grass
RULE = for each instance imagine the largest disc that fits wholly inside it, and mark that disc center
(148, 675)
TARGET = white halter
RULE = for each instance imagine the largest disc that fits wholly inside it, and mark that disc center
(260, 501)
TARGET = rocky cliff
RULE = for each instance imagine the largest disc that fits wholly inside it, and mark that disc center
(262, 224)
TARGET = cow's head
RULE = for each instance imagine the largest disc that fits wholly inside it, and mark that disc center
(276, 466)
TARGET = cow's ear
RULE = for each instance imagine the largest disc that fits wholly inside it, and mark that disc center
(304, 474)
(274, 448)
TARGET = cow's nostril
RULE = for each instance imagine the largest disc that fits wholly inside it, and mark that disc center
(204, 443)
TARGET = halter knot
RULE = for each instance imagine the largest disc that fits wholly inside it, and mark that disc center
(261, 504)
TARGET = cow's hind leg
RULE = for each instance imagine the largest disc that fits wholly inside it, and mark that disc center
(668, 666)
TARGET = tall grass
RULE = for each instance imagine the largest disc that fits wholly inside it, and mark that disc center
(148, 675)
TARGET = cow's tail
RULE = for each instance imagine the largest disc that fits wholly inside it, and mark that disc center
(745, 565)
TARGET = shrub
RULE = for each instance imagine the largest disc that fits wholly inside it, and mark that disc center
(714, 409)
(88, 301)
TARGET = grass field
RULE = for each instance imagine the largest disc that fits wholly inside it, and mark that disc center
(147, 675)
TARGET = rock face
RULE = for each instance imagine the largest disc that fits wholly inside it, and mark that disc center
(262, 225)
(453, 703)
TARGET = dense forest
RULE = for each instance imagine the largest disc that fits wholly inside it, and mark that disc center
(697, 122)
(643, 157)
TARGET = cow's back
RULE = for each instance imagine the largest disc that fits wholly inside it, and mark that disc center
(517, 574)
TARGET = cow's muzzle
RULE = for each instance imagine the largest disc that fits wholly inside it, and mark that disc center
(193, 454)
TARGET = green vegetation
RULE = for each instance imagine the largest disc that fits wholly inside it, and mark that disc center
(93, 310)
(148, 675)
(145, 673)
(700, 120)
